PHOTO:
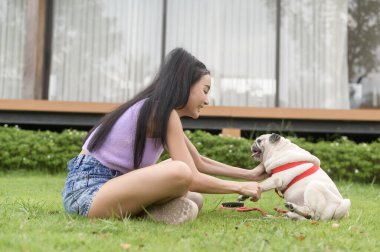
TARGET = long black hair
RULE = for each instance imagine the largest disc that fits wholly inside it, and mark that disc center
(170, 89)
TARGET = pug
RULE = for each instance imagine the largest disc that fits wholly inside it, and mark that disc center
(308, 191)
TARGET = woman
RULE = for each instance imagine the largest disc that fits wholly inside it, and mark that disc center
(116, 173)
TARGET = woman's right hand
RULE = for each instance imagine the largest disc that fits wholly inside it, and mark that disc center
(250, 189)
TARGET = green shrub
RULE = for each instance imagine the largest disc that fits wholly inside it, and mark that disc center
(49, 151)
(38, 150)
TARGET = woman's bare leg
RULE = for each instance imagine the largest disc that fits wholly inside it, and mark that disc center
(194, 196)
(129, 193)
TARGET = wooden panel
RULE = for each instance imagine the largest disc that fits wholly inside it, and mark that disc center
(56, 106)
(211, 111)
(231, 132)
(291, 113)
(34, 50)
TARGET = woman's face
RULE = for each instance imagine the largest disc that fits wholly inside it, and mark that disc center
(198, 98)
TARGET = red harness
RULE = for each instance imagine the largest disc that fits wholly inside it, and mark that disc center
(306, 173)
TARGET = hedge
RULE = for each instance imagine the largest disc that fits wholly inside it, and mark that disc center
(49, 151)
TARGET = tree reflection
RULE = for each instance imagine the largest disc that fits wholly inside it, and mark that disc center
(363, 38)
(364, 52)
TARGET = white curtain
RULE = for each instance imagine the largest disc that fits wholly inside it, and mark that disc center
(12, 39)
(313, 59)
(104, 50)
(235, 39)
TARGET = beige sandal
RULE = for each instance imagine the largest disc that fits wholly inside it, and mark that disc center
(176, 211)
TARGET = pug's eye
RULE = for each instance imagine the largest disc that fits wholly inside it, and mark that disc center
(258, 141)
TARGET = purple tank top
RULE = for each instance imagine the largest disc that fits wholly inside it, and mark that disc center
(117, 150)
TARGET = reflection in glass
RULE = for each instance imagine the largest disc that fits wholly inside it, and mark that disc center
(364, 53)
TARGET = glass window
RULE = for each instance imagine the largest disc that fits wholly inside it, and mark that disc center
(364, 53)
(12, 42)
(313, 54)
(236, 39)
(108, 50)
(104, 50)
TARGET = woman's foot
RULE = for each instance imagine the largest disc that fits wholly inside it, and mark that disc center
(197, 198)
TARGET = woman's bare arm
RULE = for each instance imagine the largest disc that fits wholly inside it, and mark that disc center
(178, 150)
(212, 167)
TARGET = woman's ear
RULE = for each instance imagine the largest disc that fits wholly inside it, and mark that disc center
(274, 138)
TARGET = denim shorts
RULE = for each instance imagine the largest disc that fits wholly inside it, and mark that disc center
(85, 177)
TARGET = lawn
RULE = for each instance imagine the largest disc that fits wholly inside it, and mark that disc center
(32, 219)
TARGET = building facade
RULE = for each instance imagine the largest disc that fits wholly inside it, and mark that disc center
(261, 53)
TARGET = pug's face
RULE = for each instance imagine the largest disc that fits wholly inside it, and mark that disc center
(263, 144)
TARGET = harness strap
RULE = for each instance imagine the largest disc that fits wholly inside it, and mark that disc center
(288, 166)
(306, 173)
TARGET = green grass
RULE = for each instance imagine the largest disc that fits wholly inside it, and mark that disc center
(32, 219)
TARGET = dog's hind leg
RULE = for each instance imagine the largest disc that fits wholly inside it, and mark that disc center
(294, 216)
(303, 211)
(321, 200)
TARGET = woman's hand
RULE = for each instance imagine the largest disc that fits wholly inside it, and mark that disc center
(251, 189)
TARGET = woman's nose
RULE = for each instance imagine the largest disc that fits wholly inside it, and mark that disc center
(206, 101)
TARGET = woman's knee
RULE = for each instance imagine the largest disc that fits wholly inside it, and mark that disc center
(181, 173)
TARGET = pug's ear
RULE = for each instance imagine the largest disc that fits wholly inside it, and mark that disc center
(274, 138)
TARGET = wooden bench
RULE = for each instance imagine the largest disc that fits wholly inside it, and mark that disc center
(336, 115)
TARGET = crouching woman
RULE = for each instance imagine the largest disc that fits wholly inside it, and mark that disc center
(116, 173)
